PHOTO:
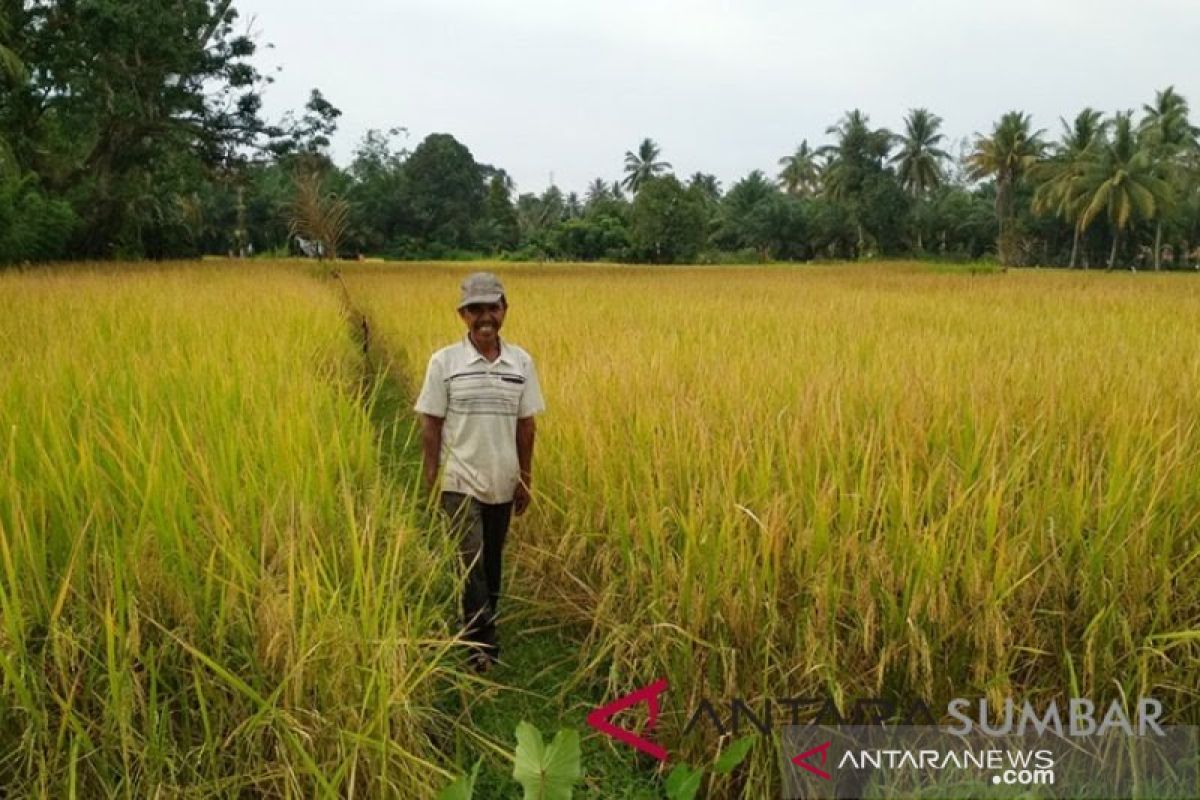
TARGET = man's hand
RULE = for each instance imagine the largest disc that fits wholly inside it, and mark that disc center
(521, 498)
(526, 430)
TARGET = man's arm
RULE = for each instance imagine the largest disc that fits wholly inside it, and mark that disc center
(432, 404)
(431, 448)
(526, 428)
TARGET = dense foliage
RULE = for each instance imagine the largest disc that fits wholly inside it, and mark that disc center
(125, 131)
(125, 126)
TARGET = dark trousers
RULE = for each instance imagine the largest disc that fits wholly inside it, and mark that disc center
(480, 529)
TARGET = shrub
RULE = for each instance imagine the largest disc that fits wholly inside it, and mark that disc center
(33, 227)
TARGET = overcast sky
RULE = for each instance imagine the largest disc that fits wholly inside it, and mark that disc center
(565, 87)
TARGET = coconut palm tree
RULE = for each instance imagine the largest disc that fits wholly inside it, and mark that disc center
(1170, 136)
(857, 149)
(1120, 180)
(858, 154)
(855, 139)
(919, 160)
(800, 175)
(596, 192)
(1006, 155)
(1166, 120)
(706, 185)
(1058, 176)
(642, 165)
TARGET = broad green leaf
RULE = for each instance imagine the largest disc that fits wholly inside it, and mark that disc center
(683, 782)
(733, 755)
(463, 788)
(546, 773)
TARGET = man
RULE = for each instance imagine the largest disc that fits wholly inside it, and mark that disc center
(478, 404)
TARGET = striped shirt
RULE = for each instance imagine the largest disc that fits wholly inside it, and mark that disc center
(481, 402)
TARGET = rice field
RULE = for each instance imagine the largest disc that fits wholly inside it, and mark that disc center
(208, 585)
(844, 480)
(855, 481)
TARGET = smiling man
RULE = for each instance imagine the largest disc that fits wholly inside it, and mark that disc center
(478, 404)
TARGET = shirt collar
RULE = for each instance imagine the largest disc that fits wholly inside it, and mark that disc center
(474, 355)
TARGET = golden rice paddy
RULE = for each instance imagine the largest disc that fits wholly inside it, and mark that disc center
(853, 480)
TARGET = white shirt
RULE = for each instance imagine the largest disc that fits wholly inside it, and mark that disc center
(481, 402)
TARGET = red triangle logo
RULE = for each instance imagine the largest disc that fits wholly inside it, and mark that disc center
(802, 760)
(600, 718)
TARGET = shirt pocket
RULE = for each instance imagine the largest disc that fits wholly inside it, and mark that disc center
(510, 388)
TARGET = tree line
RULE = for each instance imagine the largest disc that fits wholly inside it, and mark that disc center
(128, 132)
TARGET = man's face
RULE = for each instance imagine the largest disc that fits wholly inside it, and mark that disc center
(483, 321)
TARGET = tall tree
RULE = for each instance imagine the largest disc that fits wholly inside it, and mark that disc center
(1120, 180)
(1170, 137)
(705, 185)
(444, 191)
(12, 73)
(667, 223)
(500, 230)
(128, 108)
(707, 188)
(643, 165)
(1166, 120)
(1058, 177)
(1006, 155)
(858, 148)
(855, 174)
(597, 192)
(920, 158)
(538, 214)
(800, 176)
(572, 206)
(756, 215)
(11, 66)
(376, 192)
